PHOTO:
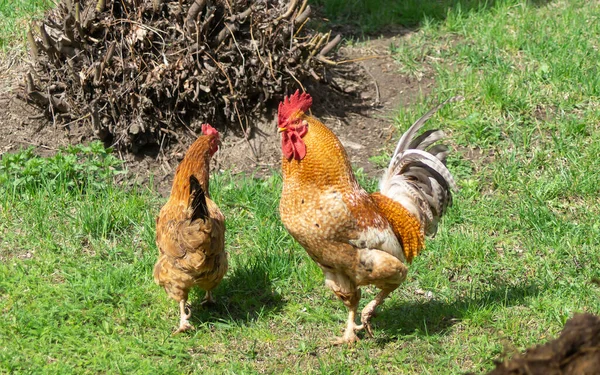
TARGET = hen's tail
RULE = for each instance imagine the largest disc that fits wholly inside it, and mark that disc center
(417, 176)
(197, 200)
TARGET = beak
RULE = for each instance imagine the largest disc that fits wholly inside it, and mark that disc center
(279, 130)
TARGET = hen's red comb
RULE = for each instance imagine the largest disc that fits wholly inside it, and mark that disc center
(208, 130)
(293, 103)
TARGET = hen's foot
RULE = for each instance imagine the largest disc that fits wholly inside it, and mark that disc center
(208, 300)
(183, 326)
(184, 323)
(345, 340)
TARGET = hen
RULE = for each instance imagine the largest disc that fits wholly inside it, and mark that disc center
(190, 230)
(359, 238)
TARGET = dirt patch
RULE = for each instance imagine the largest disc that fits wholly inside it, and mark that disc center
(575, 352)
(21, 125)
(359, 111)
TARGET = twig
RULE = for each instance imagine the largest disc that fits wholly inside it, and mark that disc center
(100, 6)
(289, 10)
(237, 45)
(374, 82)
(51, 107)
(304, 5)
(76, 120)
(329, 46)
(192, 14)
(295, 79)
(325, 60)
(303, 17)
(37, 145)
(232, 91)
(271, 65)
(300, 28)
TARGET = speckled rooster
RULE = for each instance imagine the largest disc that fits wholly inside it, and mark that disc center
(355, 237)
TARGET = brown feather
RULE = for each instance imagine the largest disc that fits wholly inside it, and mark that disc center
(190, 228)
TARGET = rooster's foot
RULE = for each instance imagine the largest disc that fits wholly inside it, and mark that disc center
(349, 336)
(366, 315)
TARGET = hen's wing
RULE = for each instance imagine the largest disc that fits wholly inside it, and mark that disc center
(184, 229)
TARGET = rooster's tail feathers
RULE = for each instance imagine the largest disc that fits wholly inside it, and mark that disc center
(417, 176)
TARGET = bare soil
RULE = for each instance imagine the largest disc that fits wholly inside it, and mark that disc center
(575, 352)
(359, 111)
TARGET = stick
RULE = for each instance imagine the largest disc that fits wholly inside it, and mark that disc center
(329, 46)
(192, 15)
(100, 6)
(32, 46)
(289, 10)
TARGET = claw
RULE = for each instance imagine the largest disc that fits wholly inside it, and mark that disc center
(365, 317)
(188, 311)
(368, 329)
(346, 339)
(184, 326)
(208, 299)
(185, 313)
(349, 336)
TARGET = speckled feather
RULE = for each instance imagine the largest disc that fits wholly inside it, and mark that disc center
(323, 183)
(325, 209)
(406, 226)
(192, 253)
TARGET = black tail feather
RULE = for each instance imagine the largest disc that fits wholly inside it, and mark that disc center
(198, 200)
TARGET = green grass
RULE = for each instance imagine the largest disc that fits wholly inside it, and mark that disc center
(15, 18)
(513, 260)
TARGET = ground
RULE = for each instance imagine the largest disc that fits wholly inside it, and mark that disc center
(360, 112)
(515, 258)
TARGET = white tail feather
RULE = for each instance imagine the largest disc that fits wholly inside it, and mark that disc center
(417, 176)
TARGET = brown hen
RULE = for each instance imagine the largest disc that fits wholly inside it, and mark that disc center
(190, 230)
(359, 238)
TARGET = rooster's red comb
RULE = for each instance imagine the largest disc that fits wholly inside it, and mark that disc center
(289, 105)
(208, 130)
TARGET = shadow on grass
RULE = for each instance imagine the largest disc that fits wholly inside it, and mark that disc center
(431, 317)
(393, 17)
(245, 295)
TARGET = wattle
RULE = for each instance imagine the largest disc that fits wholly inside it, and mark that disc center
(292, 145)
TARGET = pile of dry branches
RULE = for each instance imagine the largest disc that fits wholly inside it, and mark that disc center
(136, 71)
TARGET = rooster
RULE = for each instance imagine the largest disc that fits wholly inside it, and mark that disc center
(190, 230)
(358, 238)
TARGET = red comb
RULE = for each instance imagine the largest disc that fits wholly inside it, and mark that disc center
(293, 103)
(208, 130)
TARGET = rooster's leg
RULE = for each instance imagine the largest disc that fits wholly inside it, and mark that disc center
(351, 328)
(384, 271)
(184, 323)
(347, 291)
(369, 310)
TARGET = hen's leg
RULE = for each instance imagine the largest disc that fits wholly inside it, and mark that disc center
(208, 299)
(184, 323)
(384, 271)
(347, 291)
